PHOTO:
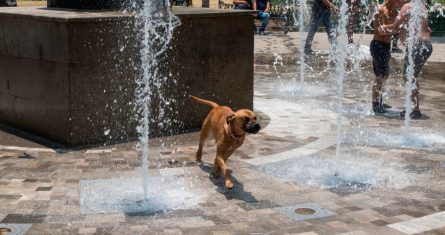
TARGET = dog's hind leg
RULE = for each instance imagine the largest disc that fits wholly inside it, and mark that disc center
(205, 131)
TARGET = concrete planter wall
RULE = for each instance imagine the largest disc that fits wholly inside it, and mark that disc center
(70, 75)
(92, 4)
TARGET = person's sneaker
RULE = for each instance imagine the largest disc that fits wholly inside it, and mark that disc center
(415, 114)
(396, 50)
(377, 108)
(386, 106)
(309, 52)
(383, 104)
(263, 33)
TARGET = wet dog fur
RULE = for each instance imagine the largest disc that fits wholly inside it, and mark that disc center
(229, 129)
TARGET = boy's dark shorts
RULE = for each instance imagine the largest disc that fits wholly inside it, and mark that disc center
(381, 53)
(422, 51)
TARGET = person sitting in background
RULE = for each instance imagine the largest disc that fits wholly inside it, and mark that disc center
(243, 4)
(263, 13)
(188, 3)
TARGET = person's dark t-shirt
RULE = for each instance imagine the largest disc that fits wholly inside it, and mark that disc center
(245, 6)
(261, 5)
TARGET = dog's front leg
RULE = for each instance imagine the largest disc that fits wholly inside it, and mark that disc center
(216, 171)
(223, 167)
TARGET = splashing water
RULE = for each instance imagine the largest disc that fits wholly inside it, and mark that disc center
(372, 9)
(356, 171)
(427, 139)
(438, 8)
(414, 31)
(302, 10)
(300, 23)
(124, 195)
(157, 22)
(277, 61)
(340, 54)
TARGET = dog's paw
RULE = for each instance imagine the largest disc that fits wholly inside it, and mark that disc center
(229, 184)
(198, 156)
(215, 174)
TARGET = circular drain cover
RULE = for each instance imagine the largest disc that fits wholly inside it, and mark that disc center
(305, 211)
(173, 161)
(5, 231)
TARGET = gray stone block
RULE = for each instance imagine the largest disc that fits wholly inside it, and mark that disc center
(70, 76)
(92, 4)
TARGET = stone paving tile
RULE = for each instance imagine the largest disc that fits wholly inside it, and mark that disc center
(24, 218)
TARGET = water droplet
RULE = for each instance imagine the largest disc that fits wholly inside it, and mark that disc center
(107, 131)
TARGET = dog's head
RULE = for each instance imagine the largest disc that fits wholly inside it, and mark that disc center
(244, 120)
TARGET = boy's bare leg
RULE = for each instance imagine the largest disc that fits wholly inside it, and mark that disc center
(415, 97)
(377, 87)
(377, 103)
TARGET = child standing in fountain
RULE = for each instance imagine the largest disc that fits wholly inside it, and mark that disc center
(381, 51)
(421, 51)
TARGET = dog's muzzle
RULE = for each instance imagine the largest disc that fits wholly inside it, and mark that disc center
(252, 127)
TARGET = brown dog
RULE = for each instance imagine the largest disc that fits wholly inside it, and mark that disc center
(229, 129)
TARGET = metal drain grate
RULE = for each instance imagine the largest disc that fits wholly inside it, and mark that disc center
(5, 231)
(14, 229)
(305, 211)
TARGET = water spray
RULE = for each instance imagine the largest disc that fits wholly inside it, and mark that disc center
(157, 22)
(414, 30)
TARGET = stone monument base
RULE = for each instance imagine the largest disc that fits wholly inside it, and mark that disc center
(70, 75)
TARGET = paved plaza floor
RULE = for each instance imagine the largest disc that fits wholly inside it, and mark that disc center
(290, 178)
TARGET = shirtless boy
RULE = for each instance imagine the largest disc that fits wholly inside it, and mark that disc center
(422, 48)
(381, 51)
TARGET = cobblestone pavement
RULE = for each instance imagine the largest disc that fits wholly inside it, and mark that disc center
(370, 187)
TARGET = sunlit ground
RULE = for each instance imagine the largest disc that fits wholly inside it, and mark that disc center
(31, 3)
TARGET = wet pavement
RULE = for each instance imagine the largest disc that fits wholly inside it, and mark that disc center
(288, 178)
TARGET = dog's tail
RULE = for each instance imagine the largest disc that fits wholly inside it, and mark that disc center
(202, 101)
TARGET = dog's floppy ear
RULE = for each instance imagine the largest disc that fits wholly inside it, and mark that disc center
(230, 118)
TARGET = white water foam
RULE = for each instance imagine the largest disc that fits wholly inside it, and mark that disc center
(358, 52)
(157, 23)
(126, 195)
(396, 138)
(353, 171)
(289, 88)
